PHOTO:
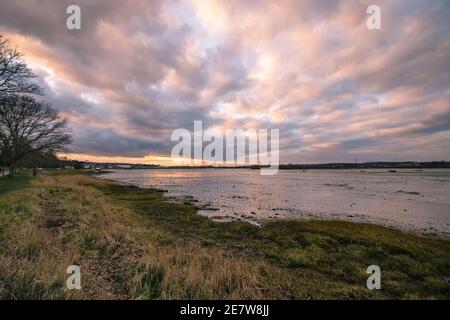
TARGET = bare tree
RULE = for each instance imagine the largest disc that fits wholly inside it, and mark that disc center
(2, 163)
(15, 76)
(29, 126)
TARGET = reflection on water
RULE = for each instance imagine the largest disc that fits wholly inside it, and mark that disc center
(410, 199)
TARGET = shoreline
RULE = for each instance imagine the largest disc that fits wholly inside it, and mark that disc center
(248, 218)
(132, 243)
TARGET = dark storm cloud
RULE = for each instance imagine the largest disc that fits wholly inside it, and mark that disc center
(107, 142)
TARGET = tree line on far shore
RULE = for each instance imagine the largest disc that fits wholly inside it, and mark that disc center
(31, 130)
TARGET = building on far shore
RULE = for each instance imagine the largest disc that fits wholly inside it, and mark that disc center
(124, 166)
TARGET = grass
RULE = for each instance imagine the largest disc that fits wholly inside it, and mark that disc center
(10, 184)
(133, 244)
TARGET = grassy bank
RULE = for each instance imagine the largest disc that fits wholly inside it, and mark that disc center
(133, 244)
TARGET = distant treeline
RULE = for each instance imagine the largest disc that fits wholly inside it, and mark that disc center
(370, 165)
(365, 165)
(51, 161)
(41, 160)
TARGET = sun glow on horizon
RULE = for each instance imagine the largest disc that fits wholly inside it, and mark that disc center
(117, 159)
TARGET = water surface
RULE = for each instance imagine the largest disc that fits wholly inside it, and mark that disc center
(408, 199)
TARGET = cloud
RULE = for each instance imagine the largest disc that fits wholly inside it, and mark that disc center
(105, 141)
(138, 70)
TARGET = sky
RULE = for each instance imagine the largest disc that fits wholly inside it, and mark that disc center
(137, 70)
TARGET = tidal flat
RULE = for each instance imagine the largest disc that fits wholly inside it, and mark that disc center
(407, 199)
